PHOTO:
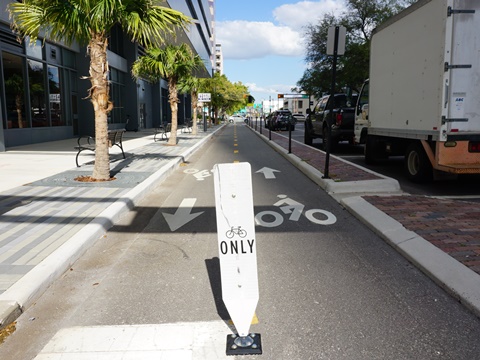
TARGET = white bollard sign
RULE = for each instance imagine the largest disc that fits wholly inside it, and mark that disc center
(237, 242)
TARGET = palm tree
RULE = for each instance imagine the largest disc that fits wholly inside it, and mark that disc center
(191, 85)
(89, 23)
(173, 63)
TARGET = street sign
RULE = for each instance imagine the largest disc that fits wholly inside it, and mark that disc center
(336, 40)
(204, 97)
(237, 246)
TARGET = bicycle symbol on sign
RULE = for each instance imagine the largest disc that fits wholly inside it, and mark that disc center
(287, 205)
(236, 231)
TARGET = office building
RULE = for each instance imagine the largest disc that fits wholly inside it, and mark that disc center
(218, 59)
(44, 98)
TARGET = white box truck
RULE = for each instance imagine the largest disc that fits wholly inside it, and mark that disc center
(422, 99)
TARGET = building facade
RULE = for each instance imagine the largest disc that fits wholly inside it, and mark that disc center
(218, 59)
(297, 104)
(44, 98)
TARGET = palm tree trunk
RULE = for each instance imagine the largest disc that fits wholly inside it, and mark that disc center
(194, 120)
(173, 100)
(99, 94)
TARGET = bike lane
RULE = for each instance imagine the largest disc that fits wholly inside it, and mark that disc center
(329, 288)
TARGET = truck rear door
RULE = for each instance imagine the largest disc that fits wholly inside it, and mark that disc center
(462, 70)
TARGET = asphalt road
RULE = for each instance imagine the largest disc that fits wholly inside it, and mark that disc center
(329, 288)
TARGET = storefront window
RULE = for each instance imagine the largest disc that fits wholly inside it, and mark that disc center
(37, 94)
(117, 95)
(68, 58)
(55, 99)
(39, 86)
(13, 72)
(34, 50)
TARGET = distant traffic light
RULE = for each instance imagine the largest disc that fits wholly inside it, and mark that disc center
(280, 96)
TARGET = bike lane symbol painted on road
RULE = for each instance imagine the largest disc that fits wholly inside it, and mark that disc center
(291, 207)
(330, 218)
(270, 218)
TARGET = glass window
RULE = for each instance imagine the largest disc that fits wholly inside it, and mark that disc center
(14, 75)
(117, 96)
(115, 43)
(37, 94)
(34, 50)
(364, 94)
(68, 58)
(55, 102)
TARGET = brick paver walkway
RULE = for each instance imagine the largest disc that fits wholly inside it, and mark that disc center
(451, 225)
(316, 158)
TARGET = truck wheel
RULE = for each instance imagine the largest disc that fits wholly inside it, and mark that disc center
(370, 148)
(417, 165)
(363, 136)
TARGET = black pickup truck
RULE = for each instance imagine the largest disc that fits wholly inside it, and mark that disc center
(342, 125)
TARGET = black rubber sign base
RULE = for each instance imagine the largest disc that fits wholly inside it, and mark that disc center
(234, 346)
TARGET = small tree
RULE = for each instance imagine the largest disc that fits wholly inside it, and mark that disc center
(360, 18)
(191, 85)
(89, 23)
(172, 63)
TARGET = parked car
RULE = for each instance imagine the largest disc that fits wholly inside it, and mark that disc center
(342, 126)
(237, 118)
(299, 117)
(280, 119)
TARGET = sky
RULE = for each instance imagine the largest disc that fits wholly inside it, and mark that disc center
(262, 41)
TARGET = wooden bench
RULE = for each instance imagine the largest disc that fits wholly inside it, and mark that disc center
(163, 131)
(88, 142)
(187, 127)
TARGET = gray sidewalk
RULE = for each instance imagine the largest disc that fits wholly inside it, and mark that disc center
(47, 219)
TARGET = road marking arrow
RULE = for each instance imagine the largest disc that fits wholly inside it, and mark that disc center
(269, 173)
(183, 215)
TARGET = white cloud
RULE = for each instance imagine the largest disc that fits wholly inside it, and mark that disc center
(302, 13)
(243, 39)
(279, 88)
(246, 40)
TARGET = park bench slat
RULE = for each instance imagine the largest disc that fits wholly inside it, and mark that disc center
(115, 137)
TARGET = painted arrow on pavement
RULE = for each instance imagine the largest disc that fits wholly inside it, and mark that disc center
(269, 173)
(183, 215)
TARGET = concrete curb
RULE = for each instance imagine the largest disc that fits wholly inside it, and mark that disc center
(332, 187)
(457, 279)
(25, 291)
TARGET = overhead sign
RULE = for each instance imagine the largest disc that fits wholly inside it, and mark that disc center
(205, 97)
(236, 242)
